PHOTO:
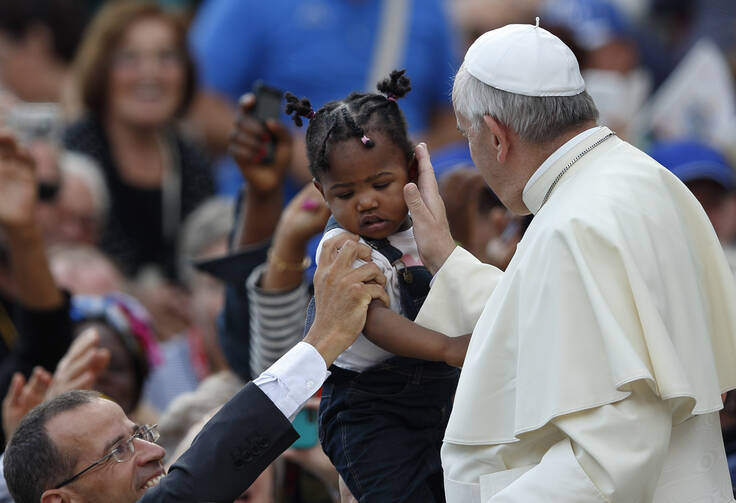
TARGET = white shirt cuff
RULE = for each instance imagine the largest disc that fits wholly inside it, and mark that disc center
(293, 378)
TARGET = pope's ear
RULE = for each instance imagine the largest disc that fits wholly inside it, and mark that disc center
(499, 137)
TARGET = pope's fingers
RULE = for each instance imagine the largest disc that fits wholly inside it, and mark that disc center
(418, 209)
(427, 178)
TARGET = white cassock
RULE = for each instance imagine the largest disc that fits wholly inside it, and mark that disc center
(596, 365)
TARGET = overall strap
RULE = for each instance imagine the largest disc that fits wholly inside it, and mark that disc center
(385, 248)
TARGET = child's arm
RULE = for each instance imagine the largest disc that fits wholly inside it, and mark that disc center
(403, 337)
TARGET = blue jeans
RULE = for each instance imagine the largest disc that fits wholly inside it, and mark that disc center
(383, 428)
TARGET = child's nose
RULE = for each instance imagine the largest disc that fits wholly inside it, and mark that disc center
(367, 202)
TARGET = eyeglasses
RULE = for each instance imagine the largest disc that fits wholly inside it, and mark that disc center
(122, 452)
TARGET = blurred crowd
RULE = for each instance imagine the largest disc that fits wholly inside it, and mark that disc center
(154, 248)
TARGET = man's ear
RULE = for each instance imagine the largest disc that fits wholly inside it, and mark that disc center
(55, 496)
(499, 138)
(413, 169)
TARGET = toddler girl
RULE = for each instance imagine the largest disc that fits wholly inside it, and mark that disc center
(382, 417)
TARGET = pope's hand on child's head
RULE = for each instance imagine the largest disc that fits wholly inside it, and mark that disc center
(431, 230)
(247, 146)
(342, 295)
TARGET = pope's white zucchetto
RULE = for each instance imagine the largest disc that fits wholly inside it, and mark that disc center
(525, 59)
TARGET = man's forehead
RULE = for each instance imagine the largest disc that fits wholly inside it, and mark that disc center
(88, 427)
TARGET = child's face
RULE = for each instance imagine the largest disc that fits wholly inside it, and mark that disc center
(364, 187)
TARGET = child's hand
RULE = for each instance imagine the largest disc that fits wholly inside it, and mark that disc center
(456, 349)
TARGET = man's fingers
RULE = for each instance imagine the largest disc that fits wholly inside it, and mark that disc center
(330, 247)
(367, 273)
(377, 292)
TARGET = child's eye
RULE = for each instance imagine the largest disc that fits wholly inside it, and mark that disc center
(345, 195)
(381, 185)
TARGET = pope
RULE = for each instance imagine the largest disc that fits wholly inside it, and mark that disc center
(598, 358)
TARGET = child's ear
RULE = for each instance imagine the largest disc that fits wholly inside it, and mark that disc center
(413, 169)
(318, 186)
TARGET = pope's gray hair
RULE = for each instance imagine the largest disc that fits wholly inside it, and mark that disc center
(536, 119)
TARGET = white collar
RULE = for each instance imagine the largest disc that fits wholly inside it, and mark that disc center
(557, 154)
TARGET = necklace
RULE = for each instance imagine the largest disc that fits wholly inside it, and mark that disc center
(569, 165)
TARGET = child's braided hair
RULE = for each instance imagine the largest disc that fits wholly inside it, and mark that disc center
(352, 117)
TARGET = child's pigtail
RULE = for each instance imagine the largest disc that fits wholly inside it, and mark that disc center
(396, 86)
(299, 107)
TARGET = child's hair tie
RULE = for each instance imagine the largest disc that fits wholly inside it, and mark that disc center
(299, 107)
(367, 141)
(391, 97)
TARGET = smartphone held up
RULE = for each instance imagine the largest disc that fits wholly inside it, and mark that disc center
(267, 106)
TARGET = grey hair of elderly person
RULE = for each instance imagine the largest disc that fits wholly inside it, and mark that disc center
(210, 223)
(88, 170)
(536, 119)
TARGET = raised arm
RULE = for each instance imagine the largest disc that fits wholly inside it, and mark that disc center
(277, 291)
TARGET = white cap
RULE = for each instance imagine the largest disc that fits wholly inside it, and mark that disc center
(525, 59)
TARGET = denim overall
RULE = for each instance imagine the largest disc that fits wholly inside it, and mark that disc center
(382, 428)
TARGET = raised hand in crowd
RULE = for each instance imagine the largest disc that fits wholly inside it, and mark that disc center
(33, 285)
(81, 365)
(304, 216)
(78, 369)
(18, 192)
(22, 396)
(248, 148)
(264, 197)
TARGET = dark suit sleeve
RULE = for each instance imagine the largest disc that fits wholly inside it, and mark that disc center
(232, 449)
